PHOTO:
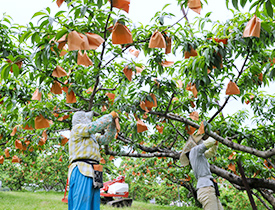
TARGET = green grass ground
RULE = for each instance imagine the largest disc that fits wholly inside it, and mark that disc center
(52, 201)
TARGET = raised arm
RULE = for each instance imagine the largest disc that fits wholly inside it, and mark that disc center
(85, 130)
(108, 135)
(212, 146)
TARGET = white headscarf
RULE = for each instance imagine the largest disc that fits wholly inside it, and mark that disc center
(82, 117)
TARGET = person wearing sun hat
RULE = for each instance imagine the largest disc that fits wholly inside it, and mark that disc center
(85, 173)
(195, 152)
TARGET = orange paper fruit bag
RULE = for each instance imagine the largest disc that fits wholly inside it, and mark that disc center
(232, 89)
(195, 5)
(157, 40)
(121, 34)
(253, 27)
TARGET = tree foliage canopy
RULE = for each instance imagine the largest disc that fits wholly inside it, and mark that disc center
(152, 91)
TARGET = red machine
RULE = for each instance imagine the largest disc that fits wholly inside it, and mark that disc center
(115, 188)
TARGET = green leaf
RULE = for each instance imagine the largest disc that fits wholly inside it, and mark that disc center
(15, 70)
(37, 14)
(243, 2)
(83, 10)
(226, 2)
(253, 5)
(235, 4)
(208, 14)
(24, 36)
(266, 27)
(5, 71)
(35, 38)
(166, 5)
(60, 34)
(99, 3)
(272, 74)
(41, 79)
(7, 20)
(45, 22)
(48, 10)
(58, 14)
(269, 8)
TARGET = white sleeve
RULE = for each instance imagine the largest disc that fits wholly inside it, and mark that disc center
(211, 152)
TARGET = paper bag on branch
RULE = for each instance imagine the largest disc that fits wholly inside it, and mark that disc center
(141, 126)
(151, 104)
(37, 95)
(78, 41)
(18, 144)
(121, 34)
(7, 152)
(111, 97)
(56, 88)
(64, 140)
(15, 159)
(59, 72)
(134, 52)
(1, 159)
(83, 59)
(193, 89)
(70, 97)
(41, 122)
(253, 27)
(192, 53)
(157, 40)
(201, 129)
(59, 2)
(167, 63)
(128, 73)
(232, 89)
(94, 40)
(121, 4)
(190, 129)
(160, 129)
(195, 5)
(194, 116)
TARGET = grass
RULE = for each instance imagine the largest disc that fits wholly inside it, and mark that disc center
(10, 200)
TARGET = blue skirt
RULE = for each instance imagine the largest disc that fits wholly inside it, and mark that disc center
(82, 195)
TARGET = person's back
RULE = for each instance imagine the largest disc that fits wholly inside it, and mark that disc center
(200, 166)
(197, 156)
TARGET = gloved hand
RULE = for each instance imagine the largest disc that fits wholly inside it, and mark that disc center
(114, 114)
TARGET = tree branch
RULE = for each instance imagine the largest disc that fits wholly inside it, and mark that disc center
(245, 183)
(226, 100)
(105, 36)
(261, 200)
(139, 155)
(177, 130)
(169, 104)
(231, 144)
(234, 179)
(268, 196)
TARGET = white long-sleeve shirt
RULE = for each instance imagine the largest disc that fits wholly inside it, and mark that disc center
(199, 163)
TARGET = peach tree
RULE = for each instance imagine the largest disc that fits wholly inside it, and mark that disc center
(86, 57)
